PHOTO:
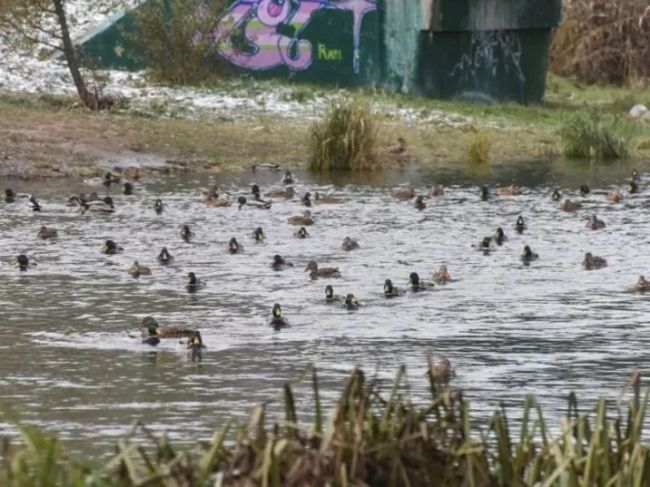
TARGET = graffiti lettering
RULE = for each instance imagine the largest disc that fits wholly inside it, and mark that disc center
(329, 54)
(265, 24)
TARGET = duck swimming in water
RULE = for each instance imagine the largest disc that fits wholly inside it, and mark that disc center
(500, 237)
(642, 285)
(528, 255)
(485, 193)
(615, 196)
(151, 327)
(441, 276)
(137, 270)
(593, 262)
(22, 262)
(584, 190)
(186, 233)
(351, 303)
(556, 196)
(485, 245)
(520, 225)
(595, 223)
(306, 199)
(47, 233)
(234, 247)
(111, 248)
(287, 178)
(287, 193)
(325, 199)
(164, 257)
(511, 190)
(260, 205)
(193, 284)
(258, 235)
(635, 176)
(33, 204)
(416, 285)
(349, 244)
(391, 291)
(104, 206)
(633, 187)
(330, 297)
(158, 206)
(301, 233)
(277, 321)
(10, 196)
(304, 219)
(279, 263)
(403, 194)
(127, 189)
(571, 206)
(419, 203)
(110, 179)
(315, 272)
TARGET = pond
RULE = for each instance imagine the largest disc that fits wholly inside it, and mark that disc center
(70, 367)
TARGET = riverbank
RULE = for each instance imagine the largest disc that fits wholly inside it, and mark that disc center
(241, 123)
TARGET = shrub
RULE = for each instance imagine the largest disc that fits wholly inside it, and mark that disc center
(346, 139)
(594, 135)
(480, 146)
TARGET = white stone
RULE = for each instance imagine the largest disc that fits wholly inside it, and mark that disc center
(639, 111)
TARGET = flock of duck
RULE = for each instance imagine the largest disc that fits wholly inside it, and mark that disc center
(151, 332)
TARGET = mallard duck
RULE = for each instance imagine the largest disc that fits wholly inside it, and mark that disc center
(306, 199)
(485, 245)
(186, 233)
(287, 193)
(279, 263)
(633, 187)
(442, 372)
(22, 262)
(287, 178)
(127, 189)
(556, 196)
(520, 225)
(485, 193)
(46, 233)
(193, 284)
(258, 235)
(642, 284)
(103, 206)
(304, 219)
(10, 196)
(441, 276)
(260, 205)
(595, 223)
(593, 262)
(277, 321)
(219, 202)
(137, 270)
(436, 190)
(33, 203)
(391, 291)
(403, 194)
(528, 255)
(164, 257)
(158, 206)
(511, 190)
(210, 193)
(234, 247)
(111, 248)
(419, 203)
(349, 244)
(110, 179)
(584, 190)
(570, 206)
(615, 196)
(500, 237)
(351, 303)
(330, 297)
(151, 327)
(301, 233)
(257, 196)
(636, 177)
(195, 344)
(315, 272)
(416, 285)
(325, 199)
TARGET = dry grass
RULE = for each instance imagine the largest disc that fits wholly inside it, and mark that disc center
(594, 135)
(479, 149)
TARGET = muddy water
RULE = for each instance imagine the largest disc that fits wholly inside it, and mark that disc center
(69, 366)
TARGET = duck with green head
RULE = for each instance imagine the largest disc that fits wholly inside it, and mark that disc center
(415, 285)
(234, 247)
(633, 187)
(485, 193)
(306, 199)
(500, 237)
(419, 203)
(104, 206)
(111, 248)
(258, 235)
(22, 262)
(151, 327)
(193, 283)
(287, 178)
(10, 196)
(127, 189)
(301, 233)
(556, 196)
(391, 291)
(528, 255)
(186, 233)
(164, 257)
(260, 205)
(351, 303)
(330, 297)
(277, 320)
(280, 263)
(158, 206)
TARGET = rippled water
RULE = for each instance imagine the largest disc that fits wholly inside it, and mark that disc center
(69, 366)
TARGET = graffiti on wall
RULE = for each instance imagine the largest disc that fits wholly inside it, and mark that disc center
(271, 31)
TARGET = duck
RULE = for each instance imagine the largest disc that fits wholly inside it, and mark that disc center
(260, 205)
(403, 194)
(110, 179)
(258, 235)
(528, 255)
(304, 219)
(595, 223)
(330, 297)
(511, 190)
(33, 203)
(277, 321)
(325, 199)
(193, 284)
(485, 193)
(633, 187)
(593, 262)
(10, 196)
(234, 247)
(441, 276)
(186, 233)
(287, 178)
(351, 303)
(158, 206)
(127, 189)
(22, 262)
(257, 196)
(315, 272)
(151, 327)
(150, 338)
(520, 225)
(442, 372)
(556, 196)
(195, 344)
(419, 203)
(349, 244)
(279, 263)
(636, 177)
(287, 193)
(306, 199)
(570, 206)
(500, 237)
(210, 193)
(416, 285)
(485, 245)
(615, 196)
(218, 201)
(164, 257)
(584, 190)
(104, 206)
(111, 248)
(642, 284)
(137, 270)
(436, 190)
(391, 291)
(301, 233)
(47, 233)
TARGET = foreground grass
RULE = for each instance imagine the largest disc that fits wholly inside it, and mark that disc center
(373, 439)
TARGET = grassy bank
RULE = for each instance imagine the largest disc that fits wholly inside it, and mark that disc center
(52, 136)
(373, 436)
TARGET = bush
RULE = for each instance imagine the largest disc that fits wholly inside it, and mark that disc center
(480, 147)
(603, 41)
(346, 139)
(594, 135)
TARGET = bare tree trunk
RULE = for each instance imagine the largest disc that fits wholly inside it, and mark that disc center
(88, 98)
